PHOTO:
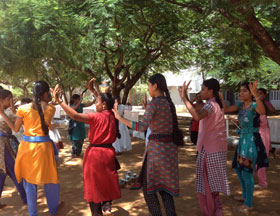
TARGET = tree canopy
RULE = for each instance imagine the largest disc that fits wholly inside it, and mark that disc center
(124, 41)
(243, 41)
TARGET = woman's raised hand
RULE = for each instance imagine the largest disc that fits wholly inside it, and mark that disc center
(90, 83)
(253, 86)
(115, 109)
(183, 90)
(91, 88)
(57, 94)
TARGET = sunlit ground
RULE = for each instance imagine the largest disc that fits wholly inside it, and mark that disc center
(266, 202)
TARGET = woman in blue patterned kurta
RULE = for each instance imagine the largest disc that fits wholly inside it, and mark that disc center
(160, 166)
(250, 150)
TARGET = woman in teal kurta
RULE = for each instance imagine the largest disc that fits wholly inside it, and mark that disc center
(250, 150)
(77, 132)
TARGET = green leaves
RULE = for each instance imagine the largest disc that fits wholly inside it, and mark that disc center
(67, 41)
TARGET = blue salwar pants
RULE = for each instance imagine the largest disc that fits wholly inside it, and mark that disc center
(10, 164)
(52, 195)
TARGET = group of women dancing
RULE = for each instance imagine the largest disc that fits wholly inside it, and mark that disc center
(35, 162)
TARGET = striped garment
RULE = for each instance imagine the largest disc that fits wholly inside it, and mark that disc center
(216, 172)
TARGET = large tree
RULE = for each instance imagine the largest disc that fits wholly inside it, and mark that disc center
(258, 19)
(126, 40)
(40, 40)
(241, 41)
(130, 39)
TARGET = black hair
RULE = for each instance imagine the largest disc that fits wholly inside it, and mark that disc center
(160, 80)
(26, 100)
(264, 91)
(215, 86)
(4, 93)
(39, 89)
(73, 98)
(246, 85)
(1, 88)
(109, 100)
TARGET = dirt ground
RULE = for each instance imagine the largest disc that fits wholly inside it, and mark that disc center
(266, 202)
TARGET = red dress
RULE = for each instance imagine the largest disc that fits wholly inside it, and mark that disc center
(101, 181)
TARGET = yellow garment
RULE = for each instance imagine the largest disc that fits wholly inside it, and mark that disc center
(35, 162)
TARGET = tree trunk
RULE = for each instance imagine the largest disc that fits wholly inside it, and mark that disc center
(255, 29)
(263, 39)
(125, 95)
(25, 91)
(71, 90)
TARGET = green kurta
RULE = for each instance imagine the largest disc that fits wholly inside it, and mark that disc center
(79, 132)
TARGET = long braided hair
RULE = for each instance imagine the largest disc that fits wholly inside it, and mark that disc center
(177, 134)
(39, 89)
(109, 100)
(215, 86)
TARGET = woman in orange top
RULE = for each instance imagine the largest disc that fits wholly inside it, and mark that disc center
(35, 162)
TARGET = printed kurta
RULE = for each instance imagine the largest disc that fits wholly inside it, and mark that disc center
(5, 141)
(162, 157)
(35, 162)
(101, 181)
(250, 150)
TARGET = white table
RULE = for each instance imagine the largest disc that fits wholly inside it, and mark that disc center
(274, 125)
(131, 115)
(57, 111)
(89, 109)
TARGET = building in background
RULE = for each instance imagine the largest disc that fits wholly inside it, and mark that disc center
(176, 80)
